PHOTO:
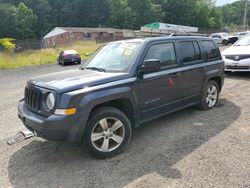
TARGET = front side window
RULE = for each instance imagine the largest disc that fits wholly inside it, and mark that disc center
(212, 51)
(190, 51)
(114, 57)
(164, 52)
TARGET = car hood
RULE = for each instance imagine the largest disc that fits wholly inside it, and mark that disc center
(71, 80)
(237, 50)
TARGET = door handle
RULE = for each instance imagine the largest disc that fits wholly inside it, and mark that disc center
(202, 68)
(174, 75)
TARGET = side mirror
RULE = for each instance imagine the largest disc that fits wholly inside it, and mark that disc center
(150, 65)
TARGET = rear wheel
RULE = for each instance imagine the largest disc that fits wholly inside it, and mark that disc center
(108, 132)
(210, 95)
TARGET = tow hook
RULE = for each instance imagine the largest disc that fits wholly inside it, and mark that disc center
(20, 136)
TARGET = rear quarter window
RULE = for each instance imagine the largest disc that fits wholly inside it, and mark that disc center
(212, 51)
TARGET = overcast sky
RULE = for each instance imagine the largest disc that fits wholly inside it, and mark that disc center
(223, 2)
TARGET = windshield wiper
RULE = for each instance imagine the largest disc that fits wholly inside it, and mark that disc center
(96, 68)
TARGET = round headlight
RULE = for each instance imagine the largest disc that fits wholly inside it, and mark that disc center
(50, 101)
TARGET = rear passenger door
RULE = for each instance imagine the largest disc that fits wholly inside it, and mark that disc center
(193, 70)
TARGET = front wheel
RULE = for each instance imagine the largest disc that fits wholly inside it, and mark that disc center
(210, 95)
(108, 132)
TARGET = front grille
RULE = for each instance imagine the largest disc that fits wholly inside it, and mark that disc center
(237, 67)
(240, 57)
(33, 99)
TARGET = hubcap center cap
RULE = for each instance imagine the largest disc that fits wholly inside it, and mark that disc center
(107, 133)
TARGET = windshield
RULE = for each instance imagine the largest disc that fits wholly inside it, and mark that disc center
(243, 42)
(114, 57)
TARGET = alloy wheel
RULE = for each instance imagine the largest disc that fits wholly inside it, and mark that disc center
(107, 134)
(212, 95)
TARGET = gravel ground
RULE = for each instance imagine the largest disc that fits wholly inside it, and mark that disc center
(190, 148)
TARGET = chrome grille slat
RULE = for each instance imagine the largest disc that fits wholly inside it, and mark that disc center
(241, 57)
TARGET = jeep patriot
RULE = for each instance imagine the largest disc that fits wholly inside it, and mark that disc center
(124, 84)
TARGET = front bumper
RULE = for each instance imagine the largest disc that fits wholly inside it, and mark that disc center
(53, 127)
(237, 66)
(232, 40)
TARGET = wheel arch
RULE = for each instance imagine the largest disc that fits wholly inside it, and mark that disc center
(218, 80)
(122, 98)
(123, 104)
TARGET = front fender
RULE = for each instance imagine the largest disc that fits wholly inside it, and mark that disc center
(91, 100)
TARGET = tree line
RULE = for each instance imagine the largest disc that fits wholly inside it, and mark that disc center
(22, 19)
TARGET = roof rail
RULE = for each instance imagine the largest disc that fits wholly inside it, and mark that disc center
(188, 34)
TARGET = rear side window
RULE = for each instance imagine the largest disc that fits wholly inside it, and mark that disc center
(211, 50)
(165, 52)
(190, 51)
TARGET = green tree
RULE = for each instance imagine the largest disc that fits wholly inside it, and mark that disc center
(232, 14)
(181, 12)
(26, 20)
(146, 12)
(8, 21)
(43, 11)
(121, 14)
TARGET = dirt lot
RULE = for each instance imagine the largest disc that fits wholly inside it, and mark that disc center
(190, 148)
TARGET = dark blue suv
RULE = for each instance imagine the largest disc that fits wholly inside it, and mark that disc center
(123, 85)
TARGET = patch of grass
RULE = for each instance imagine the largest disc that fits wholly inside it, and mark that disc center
(45, 56)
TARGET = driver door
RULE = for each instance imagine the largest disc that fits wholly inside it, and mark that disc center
(160, 92)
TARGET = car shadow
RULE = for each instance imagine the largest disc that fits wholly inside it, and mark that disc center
(238, 75)
(155, 148)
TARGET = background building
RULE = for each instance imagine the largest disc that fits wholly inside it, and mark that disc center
(65, 35)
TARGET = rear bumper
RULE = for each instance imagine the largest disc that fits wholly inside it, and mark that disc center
(53, 127)
(72, 60)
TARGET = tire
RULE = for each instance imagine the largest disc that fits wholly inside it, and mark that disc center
(210, 95)
(225, 42)
(108, 132)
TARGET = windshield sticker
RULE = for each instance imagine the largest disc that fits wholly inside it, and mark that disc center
(127, 52)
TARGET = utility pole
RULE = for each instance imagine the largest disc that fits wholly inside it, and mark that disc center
(245, 15)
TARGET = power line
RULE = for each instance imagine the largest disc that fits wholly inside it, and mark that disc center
(245, 15)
